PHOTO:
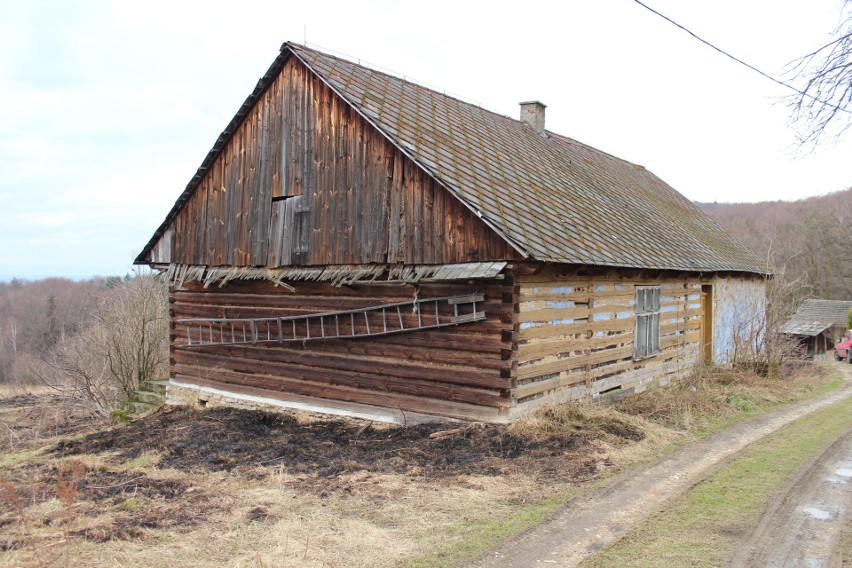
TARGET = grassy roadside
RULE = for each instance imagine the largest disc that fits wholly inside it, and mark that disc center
(671, 417)
(705, 526)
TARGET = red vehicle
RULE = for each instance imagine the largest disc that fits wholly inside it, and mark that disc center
(843, 348)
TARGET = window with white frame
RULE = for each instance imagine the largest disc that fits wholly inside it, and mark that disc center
(646, 334)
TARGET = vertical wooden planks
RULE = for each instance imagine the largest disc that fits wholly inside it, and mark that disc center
(363, 200)
(396, 220)
(318, 192)
(218, 258)
(358, 236)
(261, 188)
(249, 184)
(427, 221)
(201, 226)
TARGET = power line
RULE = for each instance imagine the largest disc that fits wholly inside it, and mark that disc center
(740, 61)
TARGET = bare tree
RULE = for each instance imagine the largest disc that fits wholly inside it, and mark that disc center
(823, 105)
(125, 343)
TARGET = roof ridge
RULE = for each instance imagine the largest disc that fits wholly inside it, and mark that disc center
(389, 73)
(570, 140)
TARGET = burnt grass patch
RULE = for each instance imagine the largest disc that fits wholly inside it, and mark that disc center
(37, 484)
(235, 439)
(136, 501)
(27, 420)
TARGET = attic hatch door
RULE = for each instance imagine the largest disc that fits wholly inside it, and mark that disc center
(384, 319)
(289, 226)
(289, 230)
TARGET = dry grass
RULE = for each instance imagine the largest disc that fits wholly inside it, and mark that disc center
(9, 390)
(714, 395)
(109, 508)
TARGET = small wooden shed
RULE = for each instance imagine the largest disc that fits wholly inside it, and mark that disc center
(357, 243)
(818, 323)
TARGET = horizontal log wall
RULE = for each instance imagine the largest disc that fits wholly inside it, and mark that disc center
(460, 371)
(575, 335)
(361, 200)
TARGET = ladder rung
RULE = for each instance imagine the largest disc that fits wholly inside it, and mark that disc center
(475, 316)
(466, 299)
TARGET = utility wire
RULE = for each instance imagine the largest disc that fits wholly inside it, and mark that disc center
(740, 61)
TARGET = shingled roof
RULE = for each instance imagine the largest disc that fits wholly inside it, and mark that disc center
(815, 316)
(553, 198)
(557, 199)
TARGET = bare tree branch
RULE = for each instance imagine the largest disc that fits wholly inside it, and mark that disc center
(823, 107)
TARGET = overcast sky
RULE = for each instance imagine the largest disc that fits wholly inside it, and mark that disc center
(107, 108)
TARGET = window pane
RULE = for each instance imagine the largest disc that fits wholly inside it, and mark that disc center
(644, 346)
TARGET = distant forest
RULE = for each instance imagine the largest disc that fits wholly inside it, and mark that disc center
(808, 242)
(94, 340)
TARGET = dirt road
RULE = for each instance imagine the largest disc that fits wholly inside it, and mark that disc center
(584, 525)
(801, 527)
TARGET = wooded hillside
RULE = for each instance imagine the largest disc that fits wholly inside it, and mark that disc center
(809, 239)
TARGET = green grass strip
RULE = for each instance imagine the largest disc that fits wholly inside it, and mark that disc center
(467, 541)
(705, 527)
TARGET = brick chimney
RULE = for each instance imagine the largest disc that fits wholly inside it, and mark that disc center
(532, 112)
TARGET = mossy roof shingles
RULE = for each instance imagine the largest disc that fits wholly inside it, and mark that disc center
(555, 198)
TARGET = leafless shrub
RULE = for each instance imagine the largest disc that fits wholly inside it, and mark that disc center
(758, 342)
(125, 342)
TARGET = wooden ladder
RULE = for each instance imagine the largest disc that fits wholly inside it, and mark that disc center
(383, 319)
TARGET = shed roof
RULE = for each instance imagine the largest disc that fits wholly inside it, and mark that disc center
(815, 316)
(553, 198)
(805, 327)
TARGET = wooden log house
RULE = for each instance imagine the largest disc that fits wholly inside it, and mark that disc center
(356, 243)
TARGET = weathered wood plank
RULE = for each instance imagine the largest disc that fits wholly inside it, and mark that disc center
(247, 370)
(400, 402)
(555, 314)
(576, 362)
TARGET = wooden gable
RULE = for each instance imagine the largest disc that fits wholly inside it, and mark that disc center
(306, 180)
